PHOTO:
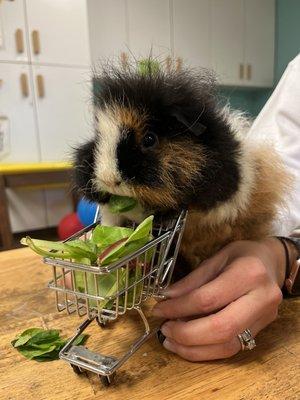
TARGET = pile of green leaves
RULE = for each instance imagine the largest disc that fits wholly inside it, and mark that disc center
(106, 245)
(42, 345)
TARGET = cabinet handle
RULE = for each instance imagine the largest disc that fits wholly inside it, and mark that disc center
(242, 71)
(179, 63)
(19, 41)
(249, 72)
(124, 60)
(35, 36)
(168, 64)
(40, 86)
(24, 85)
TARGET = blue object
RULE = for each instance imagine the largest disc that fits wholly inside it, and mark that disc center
(86, 211)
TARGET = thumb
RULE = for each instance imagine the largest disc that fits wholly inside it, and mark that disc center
(204, 273)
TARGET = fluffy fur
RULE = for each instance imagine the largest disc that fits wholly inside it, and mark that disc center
(199, 157)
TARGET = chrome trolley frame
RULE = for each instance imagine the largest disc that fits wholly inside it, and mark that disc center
(139, 276)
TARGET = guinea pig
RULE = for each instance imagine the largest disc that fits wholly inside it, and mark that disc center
(163, 138)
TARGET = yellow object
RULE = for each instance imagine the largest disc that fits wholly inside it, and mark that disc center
(21, 168)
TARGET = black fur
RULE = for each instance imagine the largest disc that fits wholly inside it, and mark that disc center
(178, 105)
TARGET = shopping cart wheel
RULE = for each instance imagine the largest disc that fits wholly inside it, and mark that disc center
(107, 380)
(100, 323)
(76, 369)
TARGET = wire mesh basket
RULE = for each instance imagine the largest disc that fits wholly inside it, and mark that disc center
(106, 292)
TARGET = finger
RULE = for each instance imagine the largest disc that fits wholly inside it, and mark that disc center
(206, 271)
(238, 279)
(216, 351)
(224, 325)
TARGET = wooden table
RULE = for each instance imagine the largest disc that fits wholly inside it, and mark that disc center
(271, 371)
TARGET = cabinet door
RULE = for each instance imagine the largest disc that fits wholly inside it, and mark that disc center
(58, 31)
(107, 29)
(228, 40)
(17, 111)
(149, 28)
(191, 32)
(63, 101)
(13, 43)
(259, 42)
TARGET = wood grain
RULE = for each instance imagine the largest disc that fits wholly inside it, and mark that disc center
(271, 371)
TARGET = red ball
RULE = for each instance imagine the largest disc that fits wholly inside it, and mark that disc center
(69, 225)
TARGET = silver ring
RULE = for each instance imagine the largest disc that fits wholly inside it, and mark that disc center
(246, 340)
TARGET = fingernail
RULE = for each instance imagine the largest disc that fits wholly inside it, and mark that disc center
(161, 337)
(165, 330)
(156, 311)
(168, 345)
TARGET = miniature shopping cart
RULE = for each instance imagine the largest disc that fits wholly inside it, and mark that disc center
(138, 276)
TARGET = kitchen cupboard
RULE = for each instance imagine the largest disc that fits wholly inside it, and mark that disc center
(58, 32)
(191, 32)
(13, 34)
(45, 99)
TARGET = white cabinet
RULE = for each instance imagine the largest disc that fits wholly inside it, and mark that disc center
(259, 42)
(13, 43)
(16, 106)
(149, 28)
(228, 40)
(64, 109)
(107, 29)
(58, 31)
(243, 36)
(191, 32)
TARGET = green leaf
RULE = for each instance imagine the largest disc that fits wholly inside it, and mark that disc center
(119, 204)
(25, 336)
(43, 345)
(31, 352)
(44, 337)
(104, 236)
(140, 236)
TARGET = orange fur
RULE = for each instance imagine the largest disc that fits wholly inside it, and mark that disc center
(204, 236)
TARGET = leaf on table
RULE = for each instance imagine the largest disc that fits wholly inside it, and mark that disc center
(42, 345)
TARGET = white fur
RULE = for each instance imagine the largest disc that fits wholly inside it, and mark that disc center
(106, 169)
(229, 210)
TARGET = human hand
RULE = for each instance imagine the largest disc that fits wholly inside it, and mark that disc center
(236, 289)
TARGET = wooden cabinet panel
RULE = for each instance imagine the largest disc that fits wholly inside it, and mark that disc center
(13, 35)
(58, 31)
(191, 32)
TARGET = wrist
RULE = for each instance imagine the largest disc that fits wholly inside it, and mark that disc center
(275, 250)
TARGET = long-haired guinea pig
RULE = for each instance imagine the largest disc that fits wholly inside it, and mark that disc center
(162, 138)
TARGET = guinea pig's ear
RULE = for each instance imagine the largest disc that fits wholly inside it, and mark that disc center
(193, 126)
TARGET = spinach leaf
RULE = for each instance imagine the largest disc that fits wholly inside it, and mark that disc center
(119, 204)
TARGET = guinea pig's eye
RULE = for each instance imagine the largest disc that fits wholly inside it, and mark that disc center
(149, 140)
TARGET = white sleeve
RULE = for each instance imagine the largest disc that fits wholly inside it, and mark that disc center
(279, 121)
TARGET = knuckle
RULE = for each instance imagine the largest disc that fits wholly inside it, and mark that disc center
(256, 270)
(231, 348)
(225, 329)
(275, 295)
(206, 301)
(181, 335)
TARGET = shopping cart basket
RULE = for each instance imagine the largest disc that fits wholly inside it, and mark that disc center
(137, 277)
